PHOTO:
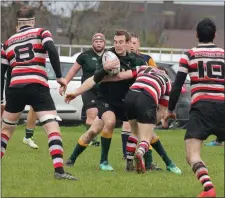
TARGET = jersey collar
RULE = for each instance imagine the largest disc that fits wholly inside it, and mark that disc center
(25, 27)
(206, 45)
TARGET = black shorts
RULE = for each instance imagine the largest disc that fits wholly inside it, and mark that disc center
(141, 107)
(89, 99)
(206, 118)
(6, 90)
(116, 107)
(36, 95)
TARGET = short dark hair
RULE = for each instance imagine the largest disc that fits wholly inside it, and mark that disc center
(206, 30)
(25, 12)
(123, 32)
(134, 35)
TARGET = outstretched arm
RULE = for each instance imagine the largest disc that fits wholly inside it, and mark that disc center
(120, 76)
(87, 85)
(177, 86)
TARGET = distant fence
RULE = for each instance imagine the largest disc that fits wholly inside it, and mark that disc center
(158, 54)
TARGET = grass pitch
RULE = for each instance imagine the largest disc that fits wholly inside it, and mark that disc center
(29, 173)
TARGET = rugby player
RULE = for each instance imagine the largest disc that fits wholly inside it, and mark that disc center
(25, 53)
(126, 130)
(110, 100)
(151, 87)
(135, 45)
(155, 142)
(206, 68)
(31, 118)
(89, 61)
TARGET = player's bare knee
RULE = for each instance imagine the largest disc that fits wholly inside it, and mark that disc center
(109, 124)
(91, 115)
(50, 123)
(90, 120)
(8, 126)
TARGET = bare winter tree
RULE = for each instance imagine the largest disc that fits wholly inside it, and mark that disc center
(8, 10)
(74, 23)
(183, 19)
(8, 16)
(83, 22)
(113, 15)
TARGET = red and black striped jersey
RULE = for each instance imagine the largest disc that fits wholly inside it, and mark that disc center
(4, 61)
(24, 52)
(4, 67)
(154, 82)
(205, 65)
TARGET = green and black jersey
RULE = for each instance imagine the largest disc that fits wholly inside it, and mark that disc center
(114, 92)
(89, 61)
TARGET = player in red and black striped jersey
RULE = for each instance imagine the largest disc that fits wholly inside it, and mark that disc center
(31, 117)
(149, 91)
(153, 82)
(151, 87)
(206, 68)
(25, 53)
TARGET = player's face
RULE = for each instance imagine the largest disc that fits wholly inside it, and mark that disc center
(135, 44)
(120, 45)
(98, 45)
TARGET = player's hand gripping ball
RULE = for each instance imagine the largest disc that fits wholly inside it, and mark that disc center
(111, 63)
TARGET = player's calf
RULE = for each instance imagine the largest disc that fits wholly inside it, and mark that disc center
(84, 141)
(139, 160)
(130, 151)
(126, 132)
(8, 128)
(50, 124)
(109, 120)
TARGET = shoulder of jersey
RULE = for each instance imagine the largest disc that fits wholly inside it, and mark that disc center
(146, 55)
(86, 52)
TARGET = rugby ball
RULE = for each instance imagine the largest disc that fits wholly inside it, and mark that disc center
(108, 56)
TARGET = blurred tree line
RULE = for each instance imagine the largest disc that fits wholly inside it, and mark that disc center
(78, 25)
